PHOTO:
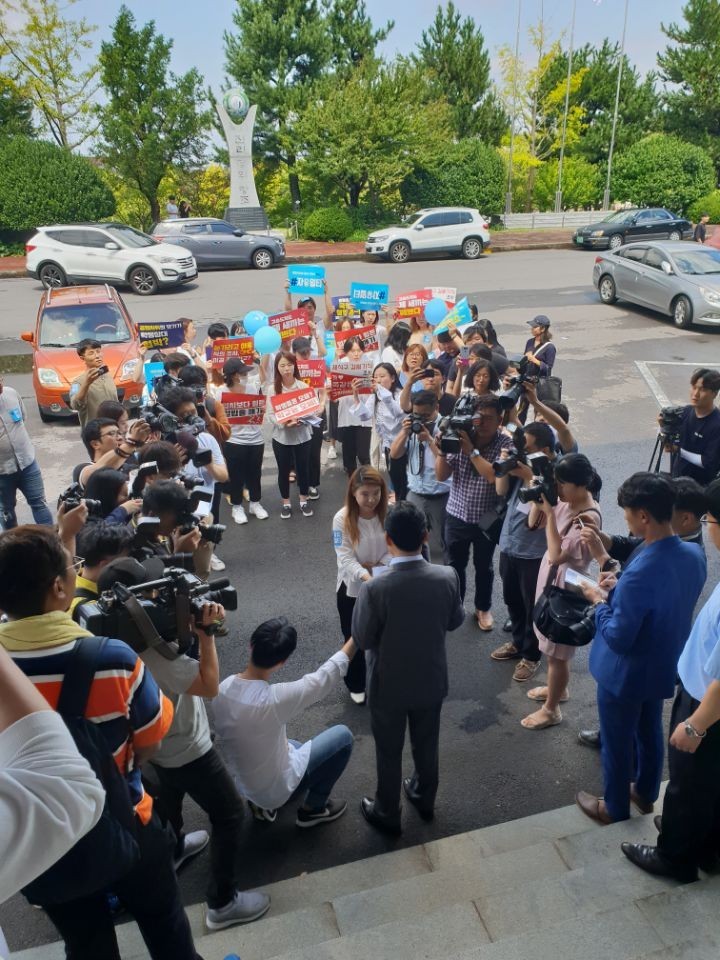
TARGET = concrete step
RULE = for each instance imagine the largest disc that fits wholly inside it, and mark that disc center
(702, 949)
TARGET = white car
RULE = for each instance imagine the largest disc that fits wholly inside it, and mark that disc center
(106, 253)
(437, 230)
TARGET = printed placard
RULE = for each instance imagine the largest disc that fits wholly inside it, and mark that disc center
(459, 315)
(369, 296)
(153, 372)
(244, 408)
(306, 279)
(366, 335)
(448, 294)
(159, 336)
(344, 372)
(224, 349)
(412, 304)
(295, 404)
(345, 309)
(313, 372)
(291, 324)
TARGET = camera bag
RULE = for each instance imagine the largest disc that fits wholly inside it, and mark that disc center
(491, 522)
(110, 849)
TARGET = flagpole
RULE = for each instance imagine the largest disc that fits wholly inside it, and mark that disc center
(606, 196)
(558, 194)
(508, 195)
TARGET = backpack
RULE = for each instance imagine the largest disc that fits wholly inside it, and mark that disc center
(110, 849)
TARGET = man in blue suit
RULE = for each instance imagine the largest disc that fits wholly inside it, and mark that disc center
(639, 634)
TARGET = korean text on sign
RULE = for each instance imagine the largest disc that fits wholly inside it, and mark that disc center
(313, 372)
(342, 375)
(306, 279)
(369, 296)
(291, 324)
(224, 349)
(366, 335)
(154, 336)
(295, 404)
(244, 408)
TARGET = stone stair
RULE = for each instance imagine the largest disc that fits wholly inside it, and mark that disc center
(553, 886)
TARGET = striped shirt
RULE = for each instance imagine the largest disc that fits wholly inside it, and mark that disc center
(124, 701)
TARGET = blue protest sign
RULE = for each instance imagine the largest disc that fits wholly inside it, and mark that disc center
(369, 296)
(459, 315)
(306, 279)
(152, 371)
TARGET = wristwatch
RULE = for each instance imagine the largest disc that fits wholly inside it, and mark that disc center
(475, 453)
(691, 731)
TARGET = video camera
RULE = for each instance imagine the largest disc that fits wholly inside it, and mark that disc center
(509, 398)
(72, 497)
(175, 430)
(670, 420)
(145, 546)
(156, 614)
(460, 420)
(543, 468)
(516, 455)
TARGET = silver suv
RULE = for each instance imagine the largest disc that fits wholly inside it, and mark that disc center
(218, 244)
(437, 230)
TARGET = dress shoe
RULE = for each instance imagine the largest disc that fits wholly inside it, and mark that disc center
(643, 805)
(651, 860)
(590, 738)
(593, 807)
(367, 806)
(415, 799)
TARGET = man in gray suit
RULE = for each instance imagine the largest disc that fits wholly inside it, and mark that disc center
(400, 620)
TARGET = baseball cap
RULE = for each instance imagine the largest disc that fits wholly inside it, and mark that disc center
(539, 321)
(130, 572)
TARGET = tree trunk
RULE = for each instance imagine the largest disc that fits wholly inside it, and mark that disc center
(154, 208)
(354, 192)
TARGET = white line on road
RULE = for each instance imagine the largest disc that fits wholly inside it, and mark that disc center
(657, 391)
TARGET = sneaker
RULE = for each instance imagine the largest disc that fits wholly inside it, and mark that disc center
(193, 844)
(507, 651)
(285, 511)
(358, 698)
(258, 510)
(243, 908)
(332, 453)
(525, 670)
(262, 814)
(313, 493)
(239, 515)
(332, 810)
(305, 509)
(216, 563)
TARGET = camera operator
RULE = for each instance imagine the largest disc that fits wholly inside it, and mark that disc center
(699, 434)
(168, 501)
(107, 448)
(429, 494)
(522, 548)
(98, 544)
(472, 498)
(210, 409)
(89, 390)
(168, 462)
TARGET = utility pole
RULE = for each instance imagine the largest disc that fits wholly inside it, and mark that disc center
(558, 194)
(606, 195)
(508, 195)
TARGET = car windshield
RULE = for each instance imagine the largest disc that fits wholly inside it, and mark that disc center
(413, 219)
(67, 326)
(619, 216)
(698, 262)
(129, 237)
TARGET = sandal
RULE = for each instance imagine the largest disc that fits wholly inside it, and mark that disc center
(541, 719)
(540, 695)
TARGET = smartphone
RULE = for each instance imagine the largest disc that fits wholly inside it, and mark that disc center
(103, 370)
(575, 581)
(464, 353)
(579, 523)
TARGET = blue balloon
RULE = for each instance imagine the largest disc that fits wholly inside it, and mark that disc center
(329, 357)
(267, 340)
(254, 321)
(435, 311)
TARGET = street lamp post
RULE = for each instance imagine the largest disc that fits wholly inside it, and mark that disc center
(606, 195)
(508, 195)
(558, 194)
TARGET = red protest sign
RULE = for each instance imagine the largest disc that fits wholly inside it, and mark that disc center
(244, 408)
(366, 335)
(412, 304)
(224, 349)
(342, 375)
(313, 372)
(294, 404)
(291, 324)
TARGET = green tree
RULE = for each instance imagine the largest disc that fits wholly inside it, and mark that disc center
(471, 174)
(48, 50)
(663, 171)
(452, 51)
(353, 36)
(582, 184)
(15, 110)
(691, 64)
(43, 183)
(153, 118)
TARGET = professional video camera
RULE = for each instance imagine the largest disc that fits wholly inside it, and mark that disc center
(543, 468)
(145, 545)
(509, 398)
(72, 497)
(670, 420)
(460, 420)
(516, 455)
(175, 430)
(156, 614)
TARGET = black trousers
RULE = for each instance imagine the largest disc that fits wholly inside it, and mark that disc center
(398, 475)
(690, 828)
(295, 458)
(355, 447)
(244, 463)
(316, 442)
(459, 538)
(150, 893)
(210, 785)
(388, 727)
(355, 677)
(519, 581)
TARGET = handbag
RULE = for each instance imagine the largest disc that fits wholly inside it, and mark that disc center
(491, 522)
(548, 388)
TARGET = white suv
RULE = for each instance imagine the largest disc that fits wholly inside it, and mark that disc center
(444, 229)
(106, 253)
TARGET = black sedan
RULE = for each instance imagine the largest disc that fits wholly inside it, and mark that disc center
(218, 244)
(654, 223)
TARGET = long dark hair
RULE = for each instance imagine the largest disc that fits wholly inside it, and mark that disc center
(389, 368)
(576, 468)
(398, 337)
(105, 485)
(278, 384)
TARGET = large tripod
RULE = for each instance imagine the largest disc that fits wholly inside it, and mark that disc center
(664, 439)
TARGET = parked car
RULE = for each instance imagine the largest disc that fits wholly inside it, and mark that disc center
(621, 227)
(438, 230)
(217, 243)
(106, 253)
(68, 315)
(681, 280)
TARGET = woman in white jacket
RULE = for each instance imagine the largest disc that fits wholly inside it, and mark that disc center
(360, 546)
(384, 411)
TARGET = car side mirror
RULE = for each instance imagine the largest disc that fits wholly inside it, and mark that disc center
(111, 246)
(666, 268)
(28, 336)
(239, 233)
(419, 227)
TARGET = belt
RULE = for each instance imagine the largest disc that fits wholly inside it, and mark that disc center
(431, 496)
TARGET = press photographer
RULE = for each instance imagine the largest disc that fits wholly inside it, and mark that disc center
(692, 434)
(211, 410)
(106, 446)
(473, 435)
(98, 544)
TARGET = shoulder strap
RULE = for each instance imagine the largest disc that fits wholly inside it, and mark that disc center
(540, 349)
(79, 675)
(211, 404)
(552, 573)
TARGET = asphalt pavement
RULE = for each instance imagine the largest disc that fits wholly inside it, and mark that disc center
(615, 363)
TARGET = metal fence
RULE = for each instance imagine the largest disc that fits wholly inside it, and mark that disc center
(569, 218)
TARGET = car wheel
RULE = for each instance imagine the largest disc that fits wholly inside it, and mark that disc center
(675, 235)
(606, 289)
(682, 312)
(615, 241)
(399, 252)
(143, 281)
(472, 248)
(262, 259)
(51, 276)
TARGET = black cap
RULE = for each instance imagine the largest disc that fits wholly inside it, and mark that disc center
(539, 321)
(130, 572)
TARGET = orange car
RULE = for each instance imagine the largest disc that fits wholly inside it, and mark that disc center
(68, 315)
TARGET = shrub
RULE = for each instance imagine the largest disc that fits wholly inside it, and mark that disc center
(327, 223)
(709, 204)
(469, 174)
(663, 171)
(42, 183)
(582, 184)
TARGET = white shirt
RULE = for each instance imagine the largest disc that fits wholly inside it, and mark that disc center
(250, 723)
(390, 355)
(371, 548)
(206, 441)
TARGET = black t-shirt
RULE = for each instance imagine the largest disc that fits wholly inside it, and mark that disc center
(700, 435)
(700, 233)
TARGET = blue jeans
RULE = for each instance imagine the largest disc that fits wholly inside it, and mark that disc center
(329, 754)
(29, 482)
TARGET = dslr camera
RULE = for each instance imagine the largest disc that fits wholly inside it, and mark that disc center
(145, 546)
(460, 420)
(509, 398)
(417, 424)
(670, 420)
(187, 521)
(546, 486)
(72, 497)
(516, 455)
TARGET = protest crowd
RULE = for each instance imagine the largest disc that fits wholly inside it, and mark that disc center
(451, 447)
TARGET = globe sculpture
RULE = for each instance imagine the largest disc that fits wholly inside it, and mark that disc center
(236, 104)
(238, 119)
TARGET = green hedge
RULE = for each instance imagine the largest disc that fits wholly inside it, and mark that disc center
(469, 174)
(327, 223)
(663, 171)
(709, 204)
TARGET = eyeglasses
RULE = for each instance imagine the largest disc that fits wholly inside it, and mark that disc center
(77, 563)
(112, 432)
(706, 519)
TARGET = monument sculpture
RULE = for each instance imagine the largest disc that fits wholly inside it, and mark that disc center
(238, 119)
